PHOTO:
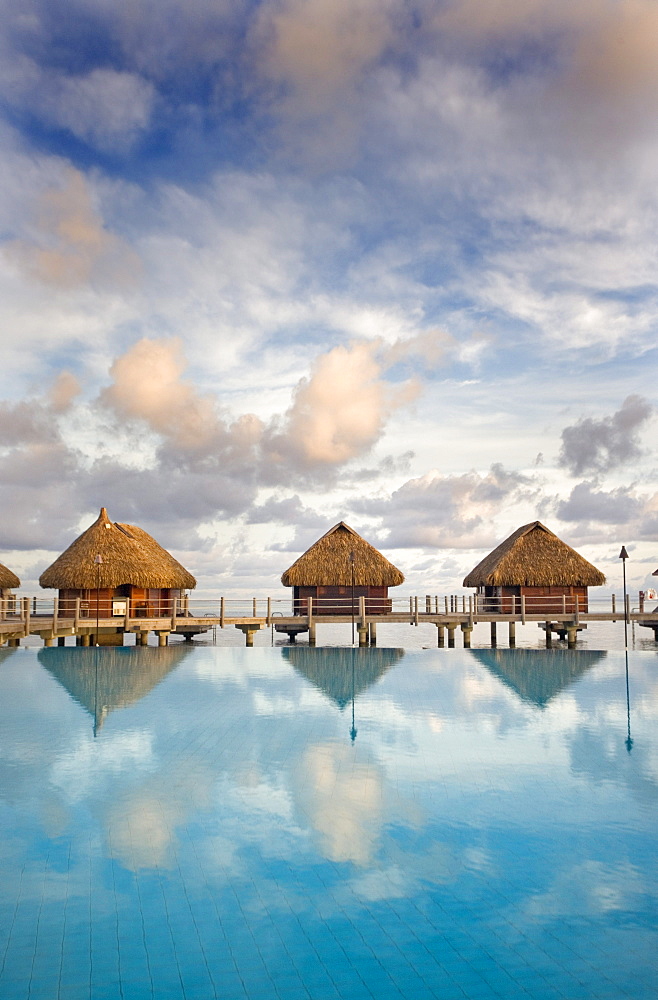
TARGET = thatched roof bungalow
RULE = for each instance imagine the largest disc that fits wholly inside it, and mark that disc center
(135, 575)
(8, 581)
(534, 563)
(337, 570)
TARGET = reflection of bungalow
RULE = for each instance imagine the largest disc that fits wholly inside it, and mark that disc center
(8, 580)
(538, 675)
(337, 570)
(134, 575)
(112, 678)
(535, 564)
(341, 674)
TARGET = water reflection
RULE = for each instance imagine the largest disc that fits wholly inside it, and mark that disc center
(6, 652)
(104, 679)
(342, 674)
(537, 676)
(629, 740)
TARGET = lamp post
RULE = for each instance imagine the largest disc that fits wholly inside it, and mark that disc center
(98, 562)
(623, 555)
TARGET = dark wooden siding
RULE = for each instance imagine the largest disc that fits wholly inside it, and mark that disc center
(337, 600)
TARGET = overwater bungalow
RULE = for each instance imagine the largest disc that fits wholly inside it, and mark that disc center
(117, 569)
(535, 564)
(8, 581)
(337, 570)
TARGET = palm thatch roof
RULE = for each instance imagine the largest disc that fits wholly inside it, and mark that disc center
(129, 556)
(328, 563)
(8, 579)
(533, 556)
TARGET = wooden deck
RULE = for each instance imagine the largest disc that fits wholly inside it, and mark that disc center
(43, 618)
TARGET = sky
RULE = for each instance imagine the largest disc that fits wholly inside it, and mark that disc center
(270, 265)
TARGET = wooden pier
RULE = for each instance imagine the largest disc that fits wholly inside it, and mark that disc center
(22, 617)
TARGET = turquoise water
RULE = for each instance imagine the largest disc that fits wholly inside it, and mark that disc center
(328, 823)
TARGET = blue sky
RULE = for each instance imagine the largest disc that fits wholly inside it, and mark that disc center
(269, 265)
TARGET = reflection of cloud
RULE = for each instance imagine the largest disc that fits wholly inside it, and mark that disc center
(141, 830)
(342, 800)
(79, 771)
(591, 889)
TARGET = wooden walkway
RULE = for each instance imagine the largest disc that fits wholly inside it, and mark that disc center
(28, 616)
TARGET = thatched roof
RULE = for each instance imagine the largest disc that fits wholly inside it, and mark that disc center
(328, 563)
(533, 556)
(129, 554)
(8, 579)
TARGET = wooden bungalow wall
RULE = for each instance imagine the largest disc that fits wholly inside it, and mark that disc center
(337, 600)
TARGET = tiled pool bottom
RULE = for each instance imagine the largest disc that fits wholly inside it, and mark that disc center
(282, 823)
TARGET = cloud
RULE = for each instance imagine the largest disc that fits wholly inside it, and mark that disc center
(592, 445)
(69, 245)
(340, 411)
(437, 511)
(321, 48)
(585, 503)
(105, 108)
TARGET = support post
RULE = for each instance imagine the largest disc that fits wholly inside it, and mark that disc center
(61, 640)
(373, 633)
(363, 635)
(163, 638)
(466, 632)
(441, 636)
(415, 610)
(311, 634)
(221, 612)
(49, 640)
(248, 631)
(85, 639)
(451, 635)
(549, 635)
(494, 637)
(572, 635)
(512, 634)
(26, 616)
(269, 610)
